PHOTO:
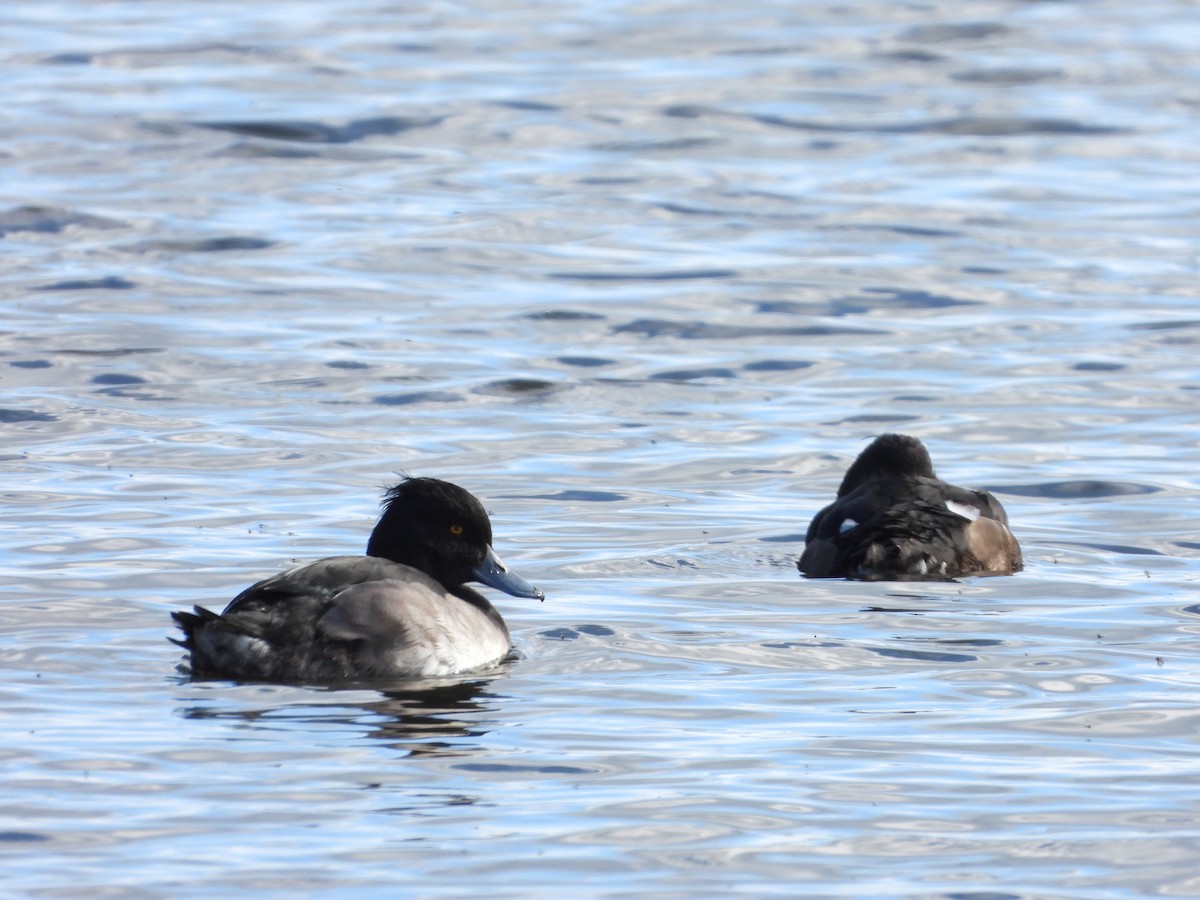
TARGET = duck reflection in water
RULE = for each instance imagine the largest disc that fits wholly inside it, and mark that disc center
(428, 717)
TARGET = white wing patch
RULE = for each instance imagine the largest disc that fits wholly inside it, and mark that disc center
(847, 525)
(970, 513)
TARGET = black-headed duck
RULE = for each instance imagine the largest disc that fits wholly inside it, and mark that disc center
(401, 611)
(894, 519)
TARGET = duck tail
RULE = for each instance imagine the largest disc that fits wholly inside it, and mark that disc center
(188, 622)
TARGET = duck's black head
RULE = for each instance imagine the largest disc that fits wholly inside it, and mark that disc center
(888, 456)
(444, 531)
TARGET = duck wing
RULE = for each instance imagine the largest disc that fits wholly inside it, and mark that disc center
(274, 629)
(321, 579)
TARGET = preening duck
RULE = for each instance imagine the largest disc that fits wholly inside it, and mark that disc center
(894, 519)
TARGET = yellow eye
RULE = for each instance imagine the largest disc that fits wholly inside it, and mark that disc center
(456, 529)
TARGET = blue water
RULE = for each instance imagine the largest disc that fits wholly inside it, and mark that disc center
(644, 278)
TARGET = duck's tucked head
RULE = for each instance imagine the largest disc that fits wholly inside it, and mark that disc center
(444, 531)
(889, 455)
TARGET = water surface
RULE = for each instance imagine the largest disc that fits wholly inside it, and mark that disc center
(644, 278)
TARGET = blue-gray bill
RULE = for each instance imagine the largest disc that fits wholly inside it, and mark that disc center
(494, 573)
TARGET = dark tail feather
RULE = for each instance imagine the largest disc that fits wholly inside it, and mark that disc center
(188, 623)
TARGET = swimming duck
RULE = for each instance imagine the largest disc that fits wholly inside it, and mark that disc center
(401, 611)
(895, 520)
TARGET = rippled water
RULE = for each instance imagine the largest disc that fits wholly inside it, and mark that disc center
(643, 277)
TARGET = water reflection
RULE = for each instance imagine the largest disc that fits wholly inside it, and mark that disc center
(428, 718)
(433, 721)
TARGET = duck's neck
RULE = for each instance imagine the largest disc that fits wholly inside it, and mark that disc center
(391, 540)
